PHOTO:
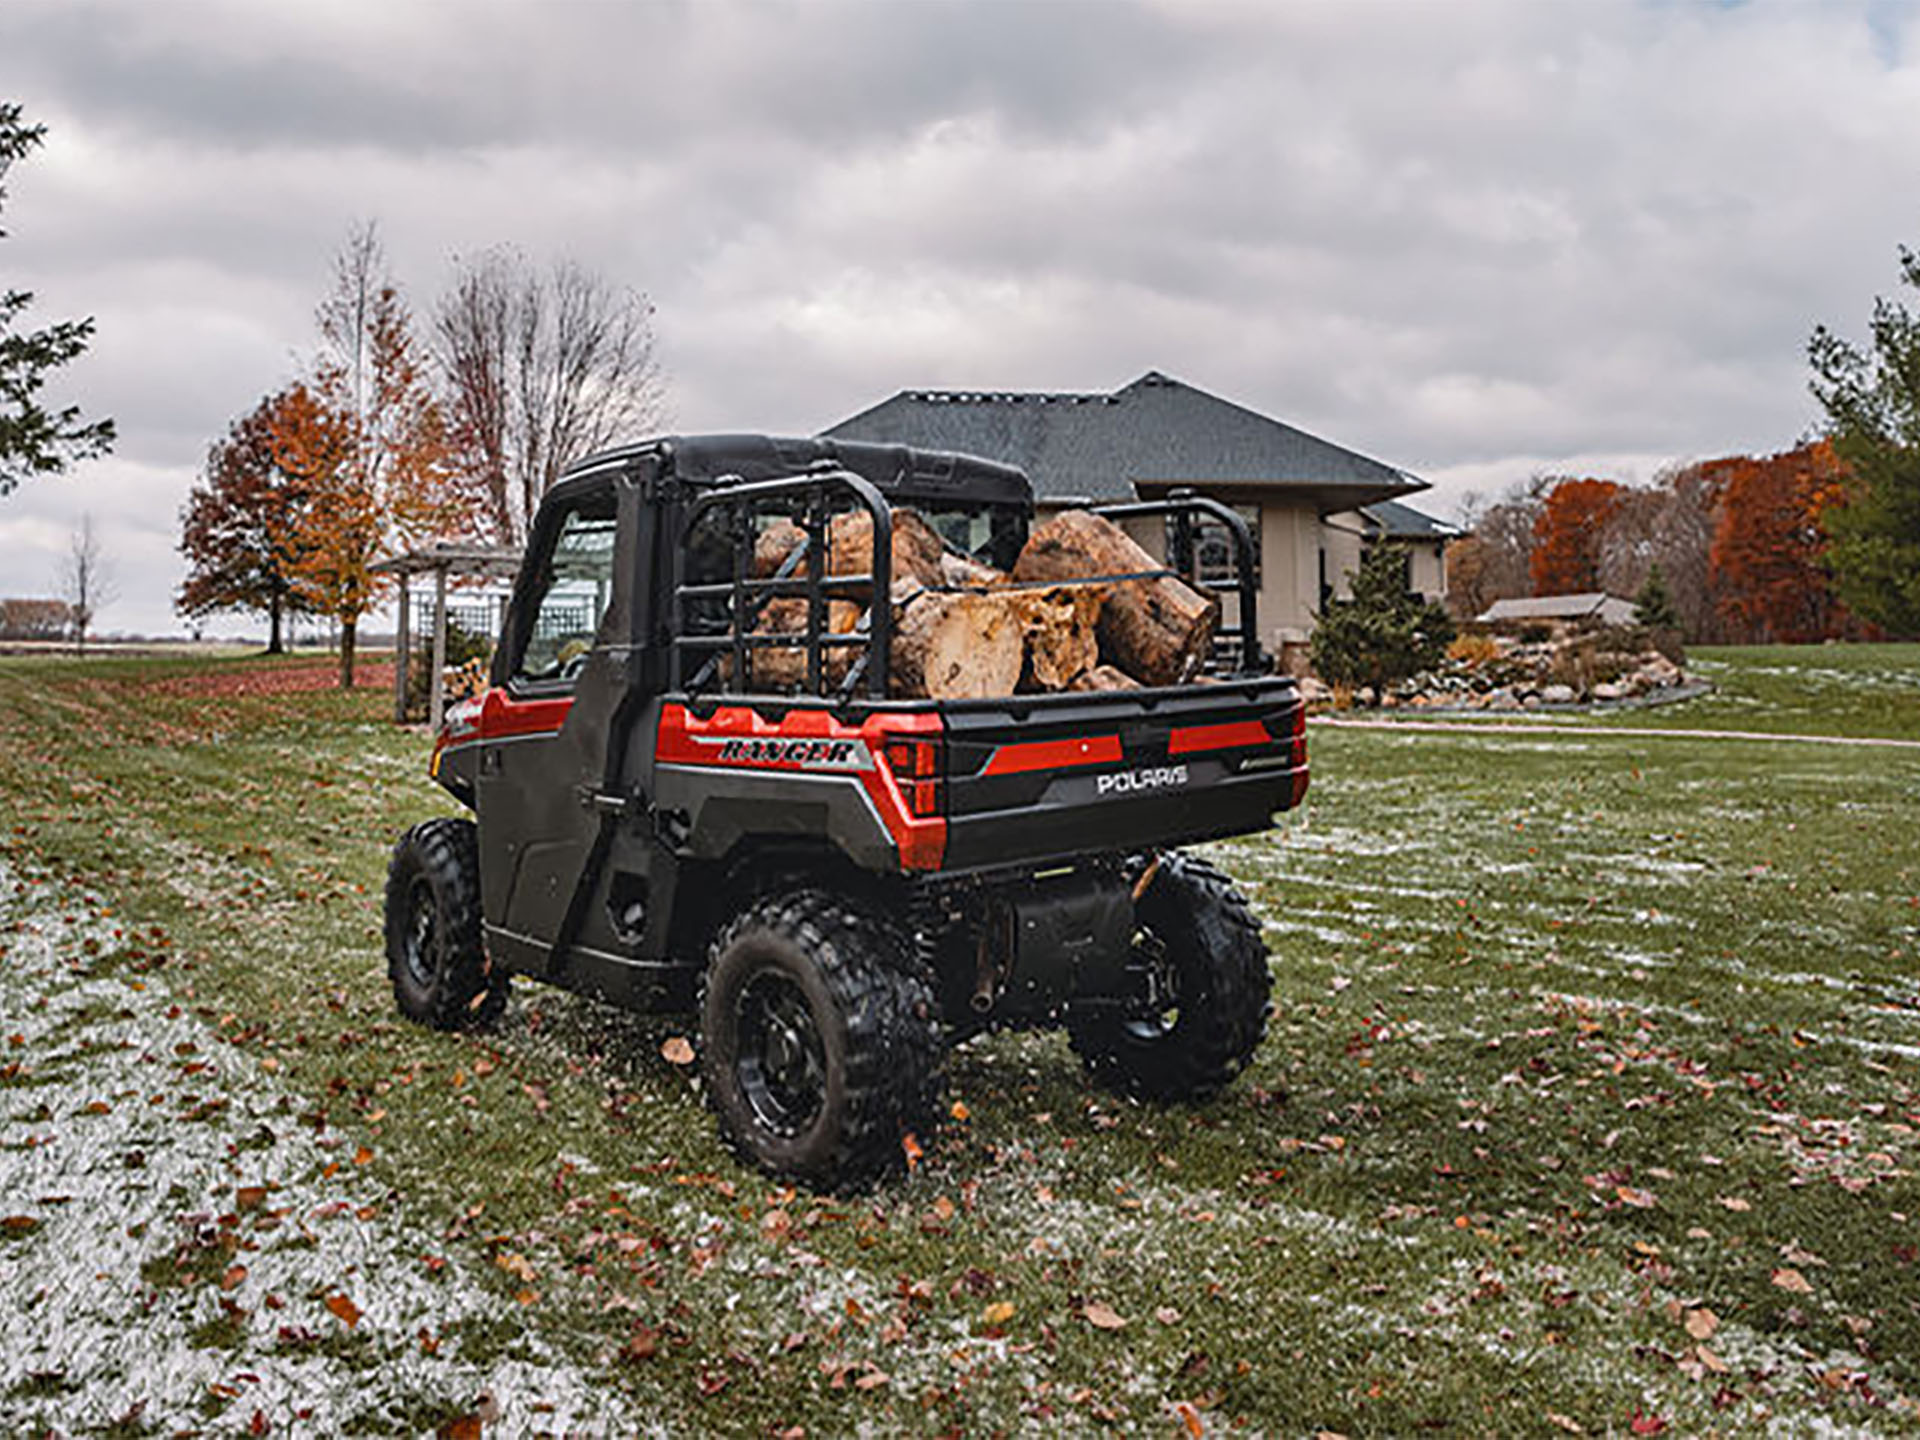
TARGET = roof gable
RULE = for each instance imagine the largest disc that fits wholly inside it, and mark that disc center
(1154, 431)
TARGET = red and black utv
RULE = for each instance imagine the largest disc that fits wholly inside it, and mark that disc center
(838, 883)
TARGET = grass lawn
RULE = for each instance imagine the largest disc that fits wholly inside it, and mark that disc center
(1589, 1102)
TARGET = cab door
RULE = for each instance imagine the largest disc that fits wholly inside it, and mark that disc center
(544, 722)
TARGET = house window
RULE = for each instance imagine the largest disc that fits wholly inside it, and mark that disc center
(1213, 559)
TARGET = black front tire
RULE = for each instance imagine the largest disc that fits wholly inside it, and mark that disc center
(820, 1042)
(1199, 946)
(435, 955)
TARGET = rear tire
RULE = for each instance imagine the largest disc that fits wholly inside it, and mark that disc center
(820, 1042)
(1201, 945)
(435, 956)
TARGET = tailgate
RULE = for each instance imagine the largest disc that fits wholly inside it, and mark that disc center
(1041, 777)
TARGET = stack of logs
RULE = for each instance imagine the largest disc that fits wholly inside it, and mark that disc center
(964, 630)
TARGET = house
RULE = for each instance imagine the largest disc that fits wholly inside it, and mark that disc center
(1311, 505)
(1561, 609)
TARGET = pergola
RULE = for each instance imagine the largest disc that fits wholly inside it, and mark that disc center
(461, 561)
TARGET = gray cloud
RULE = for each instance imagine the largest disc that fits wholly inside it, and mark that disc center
(1475, 239)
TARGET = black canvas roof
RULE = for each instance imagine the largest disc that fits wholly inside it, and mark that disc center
(1156, 431)
(901, 471)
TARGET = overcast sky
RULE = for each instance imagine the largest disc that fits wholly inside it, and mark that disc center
(1474, 240)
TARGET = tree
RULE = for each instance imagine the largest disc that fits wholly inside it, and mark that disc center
(540, 369)
(1567, 536)
(1492, 561)
(1770, 543)
(86, 579)
(1873, 413)
(33, 439)
(240, 528)
(1385, 632)
(33, 618)
(1653, 606)
(366, 438)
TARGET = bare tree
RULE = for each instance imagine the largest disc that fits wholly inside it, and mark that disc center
(86, 580)
(541, 368)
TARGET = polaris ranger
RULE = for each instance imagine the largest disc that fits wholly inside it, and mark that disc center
(837, 883)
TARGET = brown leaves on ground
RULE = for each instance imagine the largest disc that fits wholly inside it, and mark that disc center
(1792, 1281)
(345, 1309)
(677, 1051)
(1102, 1316)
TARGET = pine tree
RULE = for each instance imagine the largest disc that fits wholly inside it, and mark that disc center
(1653, 606)
(33, 439)
(1385, 632)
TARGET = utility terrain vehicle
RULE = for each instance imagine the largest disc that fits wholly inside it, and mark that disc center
(839, 884)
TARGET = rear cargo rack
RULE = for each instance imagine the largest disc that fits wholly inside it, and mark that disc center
(747, 595)
(706, 649)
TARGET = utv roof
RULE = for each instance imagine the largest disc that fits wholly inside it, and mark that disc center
(899, 471)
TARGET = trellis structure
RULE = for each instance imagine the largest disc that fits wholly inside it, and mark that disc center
(447, 559)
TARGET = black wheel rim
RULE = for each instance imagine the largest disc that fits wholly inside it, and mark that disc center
(1158, 1014)
(420, 946)
(781, 1063)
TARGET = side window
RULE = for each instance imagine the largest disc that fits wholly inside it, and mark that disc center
(576, 584)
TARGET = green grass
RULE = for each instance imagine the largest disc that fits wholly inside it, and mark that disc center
(1576, 1035)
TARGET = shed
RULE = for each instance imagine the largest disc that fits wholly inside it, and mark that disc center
(460, 560)
(1591, 605)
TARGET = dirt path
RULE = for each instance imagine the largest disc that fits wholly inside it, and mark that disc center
(1585, 732)
(181, 1248)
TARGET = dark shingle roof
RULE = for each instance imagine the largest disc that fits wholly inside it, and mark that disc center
(1155, 431)
(1390, 520)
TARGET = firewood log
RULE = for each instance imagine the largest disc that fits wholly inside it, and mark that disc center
(784, 667)
(1104, 677)
(957, 646)
(1157, 630)
(1058, 622)
(918, 553)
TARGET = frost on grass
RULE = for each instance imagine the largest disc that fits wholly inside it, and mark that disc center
(181, 1247)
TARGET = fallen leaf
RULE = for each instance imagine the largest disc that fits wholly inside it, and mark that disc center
(1102, 1316)
(1646, 1424)
(998, 1313)
(1702, 1323)
(677, 1051)
(1734, 1202)
(1565, 1422)
(960, 1111)
(341, 1306)
(1639, 1199)
(235, 1274)
(249, 1197)
(1190, 1418)
(872, 1380)
(362, 1156)
(1792, 1280)
(19, 1224)
(910, 1147)
(1167, 1315)
(1712, 1361)
(461, 1427)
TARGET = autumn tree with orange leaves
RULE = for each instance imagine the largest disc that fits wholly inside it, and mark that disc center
(238, 530)
(1770, 541)
(367, 439)
(1567, 536)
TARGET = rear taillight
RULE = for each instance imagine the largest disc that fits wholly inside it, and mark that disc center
(1299, 753)
(918, 765)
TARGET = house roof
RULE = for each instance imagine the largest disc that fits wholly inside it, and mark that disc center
(1154, 432)
(1390, 520)
(1589, 605)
